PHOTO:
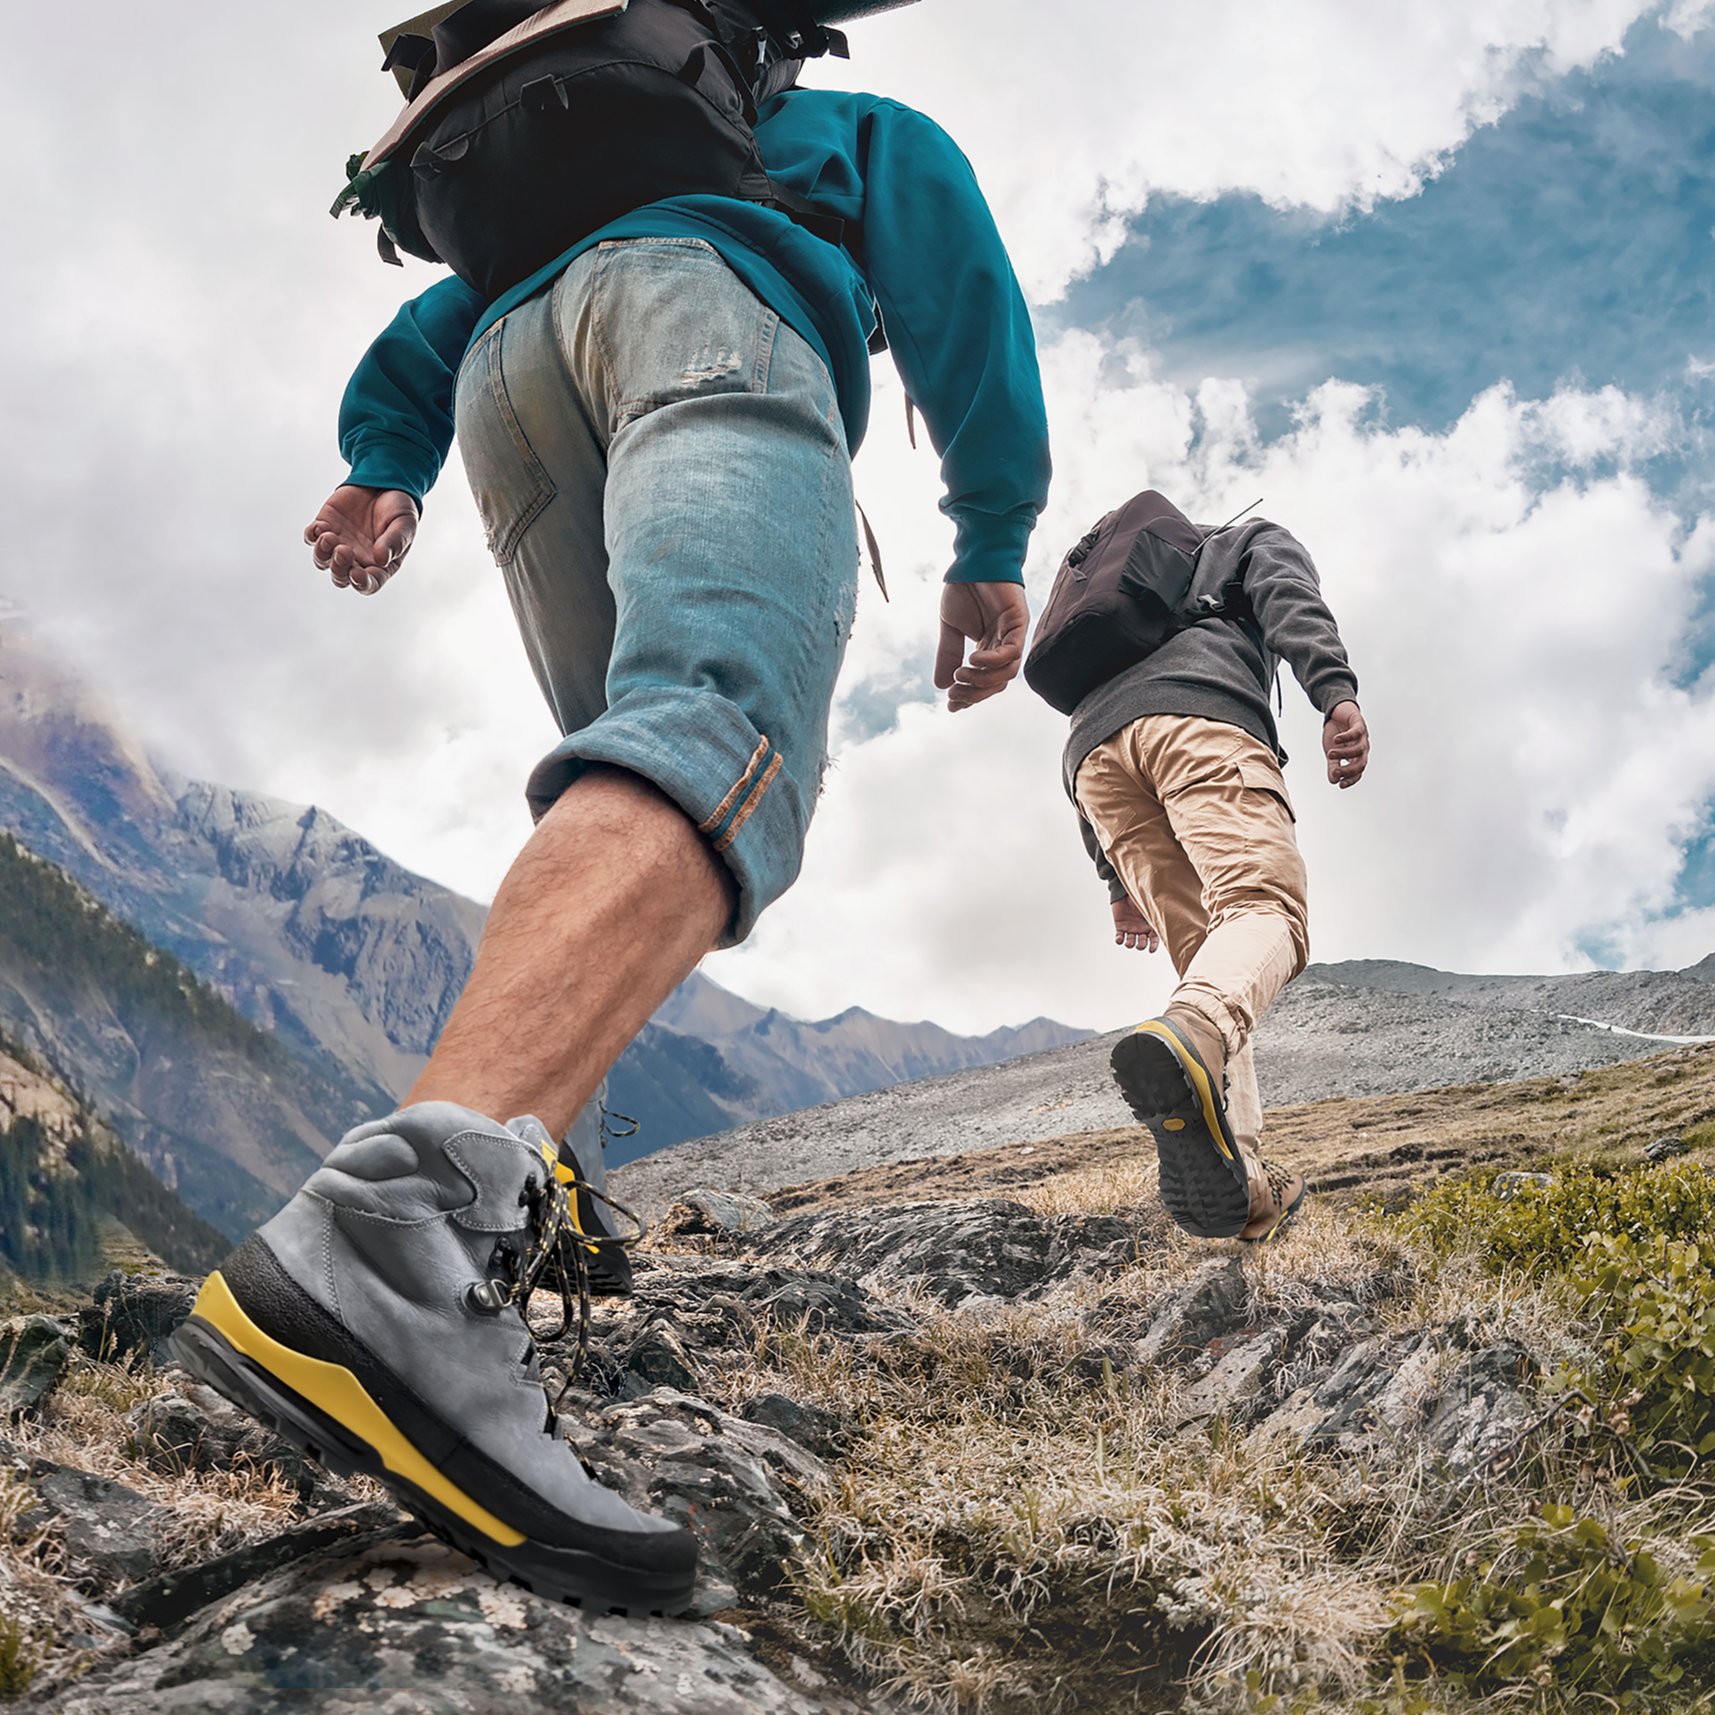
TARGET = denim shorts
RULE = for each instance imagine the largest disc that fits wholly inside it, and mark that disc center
(662, 473)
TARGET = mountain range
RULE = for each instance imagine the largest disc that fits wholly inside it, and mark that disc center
(345, 964)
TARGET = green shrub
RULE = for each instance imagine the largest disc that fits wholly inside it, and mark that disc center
(1582, 1614)
(1543, 1229)
(1655, 1301)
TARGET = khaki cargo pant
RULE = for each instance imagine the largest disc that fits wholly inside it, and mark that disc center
(1194, 817)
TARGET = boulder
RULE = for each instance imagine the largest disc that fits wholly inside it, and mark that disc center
(135, 1313)
(34, 1351)
(109, 1530)
(706, 1213)
(408, 1625)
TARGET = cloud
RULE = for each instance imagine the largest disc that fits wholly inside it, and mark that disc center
(1595, 183)
(1513, 596)
(183, 316)
(1324, 104)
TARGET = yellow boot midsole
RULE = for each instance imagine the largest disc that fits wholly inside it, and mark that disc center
(1199, 1081)
(334, 1389)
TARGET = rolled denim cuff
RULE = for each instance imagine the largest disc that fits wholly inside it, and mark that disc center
(702, 751)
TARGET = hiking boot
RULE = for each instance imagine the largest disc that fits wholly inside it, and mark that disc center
(1276, 1198)
(1172, 1072)
(375, 1323)
(583, 1171)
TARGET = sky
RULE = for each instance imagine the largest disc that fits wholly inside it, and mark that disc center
(1434, 282)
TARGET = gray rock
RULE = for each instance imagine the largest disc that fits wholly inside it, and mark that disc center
(34, 1351)
(707, 1211)
(658, 1358)
(1482, 1407)
(109, 1530)
(411, 1627)
(170, 1598)
(821, 1432)
(727, 1479)
(990, 1248)
(1237, 1378)
(136, 1313)
(1665, 1148)
(1213, 1303)
(194, 1429)
(1510, 1185)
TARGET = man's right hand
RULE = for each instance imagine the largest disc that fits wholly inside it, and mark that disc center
(362, 535)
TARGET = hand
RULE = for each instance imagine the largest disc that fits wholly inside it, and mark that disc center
(995, 617)
(362, 535)
(1133, 929)
(1346, 744)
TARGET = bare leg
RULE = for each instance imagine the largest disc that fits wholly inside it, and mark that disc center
(605, 911)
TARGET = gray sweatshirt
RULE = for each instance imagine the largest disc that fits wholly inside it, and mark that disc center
(1223, 669)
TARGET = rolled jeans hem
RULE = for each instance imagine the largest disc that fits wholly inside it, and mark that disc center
(730, 780)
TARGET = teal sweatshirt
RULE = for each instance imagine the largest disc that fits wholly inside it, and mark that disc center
(932, 264)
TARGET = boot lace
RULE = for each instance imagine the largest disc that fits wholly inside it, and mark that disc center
(1279, 1184)
(557, 1254)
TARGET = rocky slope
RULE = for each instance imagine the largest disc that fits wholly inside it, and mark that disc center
(196, 1090)
(338, 1592)
(1014, 1450)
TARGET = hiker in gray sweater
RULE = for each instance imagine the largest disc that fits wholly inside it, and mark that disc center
(1175, 767)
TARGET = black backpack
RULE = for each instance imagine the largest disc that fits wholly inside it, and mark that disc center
(1122, 591)
(528, 127)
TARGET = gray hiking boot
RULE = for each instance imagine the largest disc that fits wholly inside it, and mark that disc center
(373, 1323)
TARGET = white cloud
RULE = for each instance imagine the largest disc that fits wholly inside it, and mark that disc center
(1513, 598)
(1073, 115)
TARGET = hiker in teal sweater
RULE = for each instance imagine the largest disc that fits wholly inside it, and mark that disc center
(658, 428)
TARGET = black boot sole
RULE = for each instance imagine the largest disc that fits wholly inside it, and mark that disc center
(1168, 1088)
(560, 1574)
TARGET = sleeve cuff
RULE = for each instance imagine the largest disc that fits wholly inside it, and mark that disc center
(990, 550)
(386, 461)
(1331, 696)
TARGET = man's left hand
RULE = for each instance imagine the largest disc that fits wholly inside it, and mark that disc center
(1346, 744)
(993, 616)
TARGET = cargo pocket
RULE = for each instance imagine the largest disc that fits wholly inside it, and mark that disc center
(1259, 777)
(509, 482)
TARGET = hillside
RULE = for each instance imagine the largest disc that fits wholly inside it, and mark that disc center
(66, 1182)
(213, 1104)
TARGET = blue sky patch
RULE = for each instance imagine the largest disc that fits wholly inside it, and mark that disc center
(1572, 240)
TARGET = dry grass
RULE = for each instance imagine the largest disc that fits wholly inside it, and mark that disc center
(212, 1512)
(1021, 1529)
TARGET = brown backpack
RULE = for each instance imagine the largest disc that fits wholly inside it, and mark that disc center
(1122, 591)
